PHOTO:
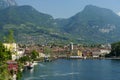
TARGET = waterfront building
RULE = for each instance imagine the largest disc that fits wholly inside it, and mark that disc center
(16, 51)
(20, 53)
(43, 55)
(96, 53)
(105, 51)
(11, 46)
(12, 66)
(79, 53)
(87, 53)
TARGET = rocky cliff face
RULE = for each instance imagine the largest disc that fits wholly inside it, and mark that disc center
(7, 3)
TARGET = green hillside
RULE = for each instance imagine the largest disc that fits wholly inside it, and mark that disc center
(29, 25)
(91, 25)
(94, 24)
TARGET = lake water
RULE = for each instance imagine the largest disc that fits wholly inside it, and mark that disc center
(75, 70)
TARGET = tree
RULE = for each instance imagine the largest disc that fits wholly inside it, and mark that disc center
(24, 59)
(10, 37)
(4, 53)
(34, 54)
(4, 74)
(115, 51)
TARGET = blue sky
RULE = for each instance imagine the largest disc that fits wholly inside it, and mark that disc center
(68, 8)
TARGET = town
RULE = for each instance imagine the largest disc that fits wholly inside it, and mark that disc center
(51, 52)
(59, 51)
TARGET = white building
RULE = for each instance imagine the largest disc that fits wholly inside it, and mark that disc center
(43, 55)
(20, 53)
(105, 51)
(96, 53)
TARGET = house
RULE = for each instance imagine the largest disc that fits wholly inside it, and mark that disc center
(105, 51)
(41, 55)
(79, 53)
(96, 53)
(87, 53)
(20, 53)
(12, 66)
(11, 46)
(16, 51)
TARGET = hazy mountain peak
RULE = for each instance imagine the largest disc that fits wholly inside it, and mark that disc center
(90, 6)
(7, 3)
(95, 8)
(91, 10)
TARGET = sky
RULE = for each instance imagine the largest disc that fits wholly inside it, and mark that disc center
(68, 8)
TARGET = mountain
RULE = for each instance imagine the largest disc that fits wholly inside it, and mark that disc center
(24, 14)
(7, 3)
(93, 24)
(29, 25)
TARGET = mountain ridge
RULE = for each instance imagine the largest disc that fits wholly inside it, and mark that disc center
(95, 21)
(92, 25)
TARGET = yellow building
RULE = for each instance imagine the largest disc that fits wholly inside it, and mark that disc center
(16, 52)
(79, 53)
(11, 46)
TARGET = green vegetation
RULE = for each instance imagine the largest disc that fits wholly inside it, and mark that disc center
(24, 59)
(19, 73)
(92, 25)
(4, 74)
(115, 52)
(34, 54)
(10, 37)
(47, 50)
(4, 56)
(29, 57)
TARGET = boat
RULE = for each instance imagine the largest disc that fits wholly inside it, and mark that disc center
(30, 65)
(46, 59)
(76, 57)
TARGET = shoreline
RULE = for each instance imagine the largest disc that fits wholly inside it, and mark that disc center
(112, 58)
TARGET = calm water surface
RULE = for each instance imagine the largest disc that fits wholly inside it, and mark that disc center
(75, 70)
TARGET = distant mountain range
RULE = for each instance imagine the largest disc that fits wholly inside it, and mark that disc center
(92, 25)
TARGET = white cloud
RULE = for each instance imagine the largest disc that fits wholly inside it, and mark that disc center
(118, 13)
